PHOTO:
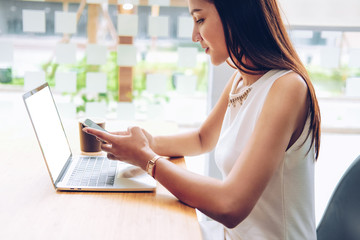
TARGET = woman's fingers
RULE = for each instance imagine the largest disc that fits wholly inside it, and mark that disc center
(111, 156)
(137, 131)
(129, 146)
(105, 136)
(106, 147)
(121, 133)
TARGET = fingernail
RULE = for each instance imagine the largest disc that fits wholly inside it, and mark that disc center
(85, 130)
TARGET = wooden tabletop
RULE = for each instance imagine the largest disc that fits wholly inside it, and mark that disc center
(30, 208)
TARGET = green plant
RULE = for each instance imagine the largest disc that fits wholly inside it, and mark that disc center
(331, 80)
(5, 75)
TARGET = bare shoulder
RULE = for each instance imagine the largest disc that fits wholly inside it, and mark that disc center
(287, 102)
(291, 84)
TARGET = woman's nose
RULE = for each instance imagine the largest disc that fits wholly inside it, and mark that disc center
(196, 37)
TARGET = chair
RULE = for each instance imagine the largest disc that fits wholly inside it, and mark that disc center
(341, 220)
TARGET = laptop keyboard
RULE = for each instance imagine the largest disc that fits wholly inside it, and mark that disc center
(93, 171)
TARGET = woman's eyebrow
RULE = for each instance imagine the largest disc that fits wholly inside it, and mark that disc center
(195, 10)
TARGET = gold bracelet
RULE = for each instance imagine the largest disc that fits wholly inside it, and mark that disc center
(151, 165)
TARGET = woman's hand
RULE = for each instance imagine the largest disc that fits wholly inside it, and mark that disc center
(132, 146)
(149, 137)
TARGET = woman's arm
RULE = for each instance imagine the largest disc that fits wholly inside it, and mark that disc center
(200, 140)
(230, 201)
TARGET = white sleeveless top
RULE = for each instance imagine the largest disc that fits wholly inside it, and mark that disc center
(285, 210)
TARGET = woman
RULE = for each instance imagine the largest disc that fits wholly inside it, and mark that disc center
(265, 127)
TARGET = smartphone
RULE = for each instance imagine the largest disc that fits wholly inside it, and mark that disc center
(89, 123)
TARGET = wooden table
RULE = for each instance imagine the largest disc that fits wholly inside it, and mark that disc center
(30, 208)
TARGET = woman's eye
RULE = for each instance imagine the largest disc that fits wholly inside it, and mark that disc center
(200, 21)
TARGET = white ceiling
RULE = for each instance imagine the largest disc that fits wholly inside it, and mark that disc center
(322, 12)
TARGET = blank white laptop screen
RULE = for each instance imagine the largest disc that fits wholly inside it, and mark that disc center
(49, 130)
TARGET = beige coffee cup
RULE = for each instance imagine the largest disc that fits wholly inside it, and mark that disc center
(89, 143)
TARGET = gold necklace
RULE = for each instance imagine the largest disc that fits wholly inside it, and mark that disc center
(241, 98)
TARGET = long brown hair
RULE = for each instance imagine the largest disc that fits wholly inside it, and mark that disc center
(255, 31)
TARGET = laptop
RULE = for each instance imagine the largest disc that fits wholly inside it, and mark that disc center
(70, 172)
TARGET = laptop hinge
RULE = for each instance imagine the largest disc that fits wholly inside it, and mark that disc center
(64, 169)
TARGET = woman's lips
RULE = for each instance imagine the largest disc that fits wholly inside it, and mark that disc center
(205, 48)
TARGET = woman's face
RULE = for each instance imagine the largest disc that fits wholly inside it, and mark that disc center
(208, 30)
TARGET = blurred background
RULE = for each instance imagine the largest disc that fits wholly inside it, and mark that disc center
(133, 62)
